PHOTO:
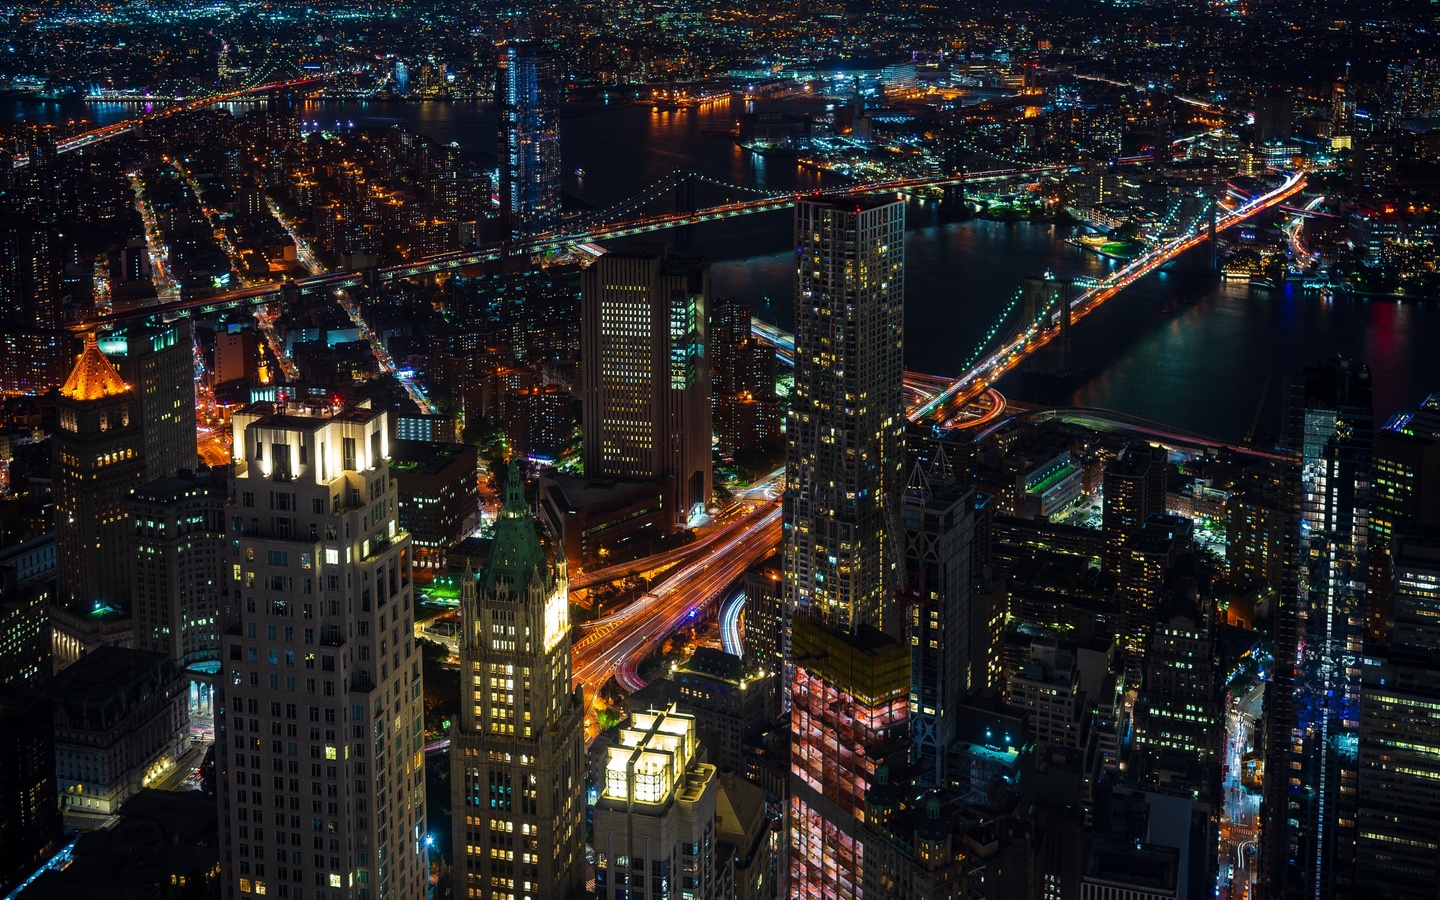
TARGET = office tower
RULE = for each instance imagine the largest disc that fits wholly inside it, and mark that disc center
(1399, 780)
(1399, 732)
(157, 359)
(1416, 587)
(645, 372)
(178, 543)
(34, 349)
(1274, 116)
(1179, 707)
(24, 631)
(1405, 487)
(517, 752)
(655, 819)
(121, 719)
(1047, 686)
(178, 551)
(319, 717)
(1257, 520)
(30, 820)
(527, 97)
(1319, 635)
(939, 529)
(848, 716)
(844, 452)
(98, 460)
(1133, 490)
(438, 494)
(1146, 556)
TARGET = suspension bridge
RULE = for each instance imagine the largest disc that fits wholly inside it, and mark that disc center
(598, 228)
(116, 129)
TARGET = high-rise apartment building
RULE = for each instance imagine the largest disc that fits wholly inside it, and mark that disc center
(527, 97)
(848, 716)
(98, 460)
(1319, 636)
(844, 451)
(1133, 491)
(940, 527)
(645, 372)
(655, 828)
(319, 719)
(517, 752)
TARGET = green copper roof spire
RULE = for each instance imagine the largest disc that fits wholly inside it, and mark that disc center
(516, 553)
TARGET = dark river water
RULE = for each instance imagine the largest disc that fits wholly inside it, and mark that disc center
(1178, 348)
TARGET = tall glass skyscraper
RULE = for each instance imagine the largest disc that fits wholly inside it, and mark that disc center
(527, 95)
(1309, 848)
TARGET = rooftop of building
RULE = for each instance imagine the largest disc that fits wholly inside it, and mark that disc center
(717, 664)
(163, 845)
(426, 458)
(309, 415)
(168, 488)
(94, 377)
(1148, 865)
(101, 674)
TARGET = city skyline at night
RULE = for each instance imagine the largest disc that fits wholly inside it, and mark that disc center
(719, 451)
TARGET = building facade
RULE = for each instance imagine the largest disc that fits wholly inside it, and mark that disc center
(848, 716)
(844, 450)
(655, 826)
(1330, 430)
(517, 752)
(177, 542)
(319, 732)
(121, 720)
(645, 372)
(940, 530)
(527, 97)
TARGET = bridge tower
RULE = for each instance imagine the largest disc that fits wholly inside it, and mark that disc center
(1042, 297)
(1214, 257)
(685, 203)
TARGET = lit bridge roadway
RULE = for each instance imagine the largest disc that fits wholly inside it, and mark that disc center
(443, 262)
(97, 135)
(1010, 354)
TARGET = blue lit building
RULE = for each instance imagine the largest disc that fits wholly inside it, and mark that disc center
(527, 96)
(1309, 848)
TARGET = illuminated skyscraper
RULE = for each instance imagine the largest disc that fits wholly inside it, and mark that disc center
(844, 452)
(319, 736)
(1319, 636)
(527, 96)
(645, 372)
(517, 752)
(98, 461)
